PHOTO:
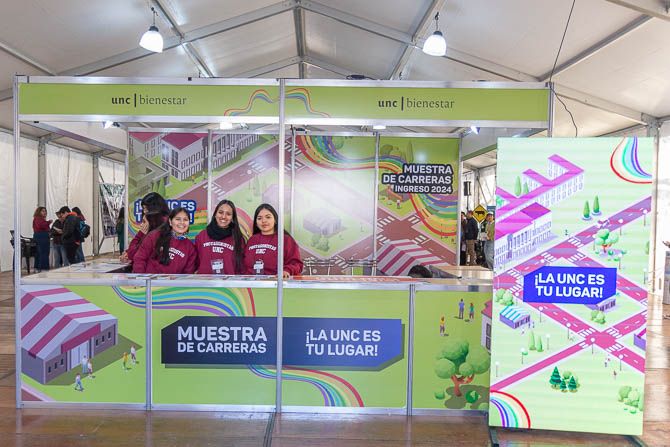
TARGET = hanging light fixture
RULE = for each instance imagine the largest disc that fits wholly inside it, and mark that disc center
(435, 45)
(152, 39)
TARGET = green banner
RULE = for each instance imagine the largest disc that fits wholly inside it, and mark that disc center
(148, 99)
(472, 104)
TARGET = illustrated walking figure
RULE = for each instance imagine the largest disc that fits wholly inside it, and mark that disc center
(133, 354)
(614, 373)
(90, 369)
(461, 309)
(124, 360)
(471, 315)
(442, 326)
(77, 383)
(84, 364)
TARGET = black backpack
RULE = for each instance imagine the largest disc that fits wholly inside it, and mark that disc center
(84, 229)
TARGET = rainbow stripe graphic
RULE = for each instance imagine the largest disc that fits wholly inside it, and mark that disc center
(240, 302)
(302, 95)
(437, 212)
(260, 94)
(511, 410)
(625, 164)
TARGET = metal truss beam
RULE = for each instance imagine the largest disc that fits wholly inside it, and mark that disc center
(653, 8)
(265, 68)
(300, 42)
(342, 71)
(421, 29)
(25, 58)
(602, 104)
(598, 46)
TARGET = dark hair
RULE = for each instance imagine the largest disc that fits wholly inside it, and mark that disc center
(122, 212)
(162, 248)
(155, 203)
(76, 210)
(38, 211)
(238, 239)
(65, 209)
(155, 220)
(265, 206)
(419, 271)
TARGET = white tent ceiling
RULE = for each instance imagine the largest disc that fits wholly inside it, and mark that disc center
(613, 71)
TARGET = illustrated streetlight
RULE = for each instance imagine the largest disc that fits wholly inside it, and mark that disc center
(620, 226)
(523, 352)
(568, 326)
(497, 368)
(548, 337)
(618, 258)
(592, 344)
(249, 176)
(645, 211)
(620, 362)
(541, 309)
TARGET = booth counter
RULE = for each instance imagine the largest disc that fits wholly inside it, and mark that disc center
(341, 344)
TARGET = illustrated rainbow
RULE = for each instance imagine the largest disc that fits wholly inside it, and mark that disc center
(240, 302)
(625, 163)
(437, 212)
(511, 410)
(260, 94)
(302, 95)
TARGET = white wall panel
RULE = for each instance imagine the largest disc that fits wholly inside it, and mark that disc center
(80, 189)
(662, 210)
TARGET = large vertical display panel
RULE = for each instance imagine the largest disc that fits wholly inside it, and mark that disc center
(83, 344)
(418, 203)
(345, 348)
(333, 196)
(214, 346)
(570, 301)
(452, 350)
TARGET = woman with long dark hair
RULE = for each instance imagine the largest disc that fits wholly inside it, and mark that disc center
(221, 245)
(154, 213)
(261, 254)
(167, 249)
(41, 227)
(121, 229)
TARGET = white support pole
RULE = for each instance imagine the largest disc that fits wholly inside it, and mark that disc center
(210, 139)
(459, 204)
(376, 200)
(552, 110)
(95, 224)
(17, 246)
(42, 172)
(653, 131)
(292, 197)
(280, 248)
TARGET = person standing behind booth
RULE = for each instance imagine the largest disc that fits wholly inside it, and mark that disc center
(490, 229)
(221, 245)
(70, 237)
(120, 229)
(154, 213)
(60, 257)
(41, 228)
(261, 255)
(471, 234)
(167, 249)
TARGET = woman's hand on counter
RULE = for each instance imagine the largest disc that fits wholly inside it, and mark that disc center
(124, 257)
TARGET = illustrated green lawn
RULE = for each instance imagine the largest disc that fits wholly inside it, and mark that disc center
(625, 308)
(428, 342)
(384, 388)
(596, 396)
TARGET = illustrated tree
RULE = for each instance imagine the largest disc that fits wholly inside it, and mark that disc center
(459, 362)
(605, 238)
(531, 341)
(538, 344)
(587, 210)
(631, 397)
(555, 379)
(517, 186)
(316, 238)
(504, 297)
(563, 386)
(572, 385)
(646, 248)
(596, 206)
(338, 142)
(524, 190)
(161, 187)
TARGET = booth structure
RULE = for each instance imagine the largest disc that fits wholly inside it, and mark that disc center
(352, 199)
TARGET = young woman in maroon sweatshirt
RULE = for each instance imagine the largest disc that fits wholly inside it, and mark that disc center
(167, 249)
(221, 245)
(261, 255)
(41, 227)
(154, 213)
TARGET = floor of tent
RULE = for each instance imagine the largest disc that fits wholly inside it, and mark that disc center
(50, 427)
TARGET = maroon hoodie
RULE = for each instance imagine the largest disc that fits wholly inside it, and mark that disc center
(264, 248)
(135, 245)
(213, 253)
(183, 256)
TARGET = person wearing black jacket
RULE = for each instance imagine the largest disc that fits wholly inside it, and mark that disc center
(60, 257)
(71, 237)
(471, 234)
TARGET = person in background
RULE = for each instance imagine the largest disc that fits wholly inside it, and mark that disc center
(464, 257)
(60, 257)
(154, 213)
(471, 235)
(419, 271)
(221, 245)
(490, 230)
(82, 222)
(41, 235)
(167, 249)
(70, 237)
(120, 229)
(261, 254)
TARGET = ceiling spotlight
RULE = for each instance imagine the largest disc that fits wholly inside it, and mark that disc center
(435, 45)
(152, 39)
(474, 130)
(225, 125)
(378, 127)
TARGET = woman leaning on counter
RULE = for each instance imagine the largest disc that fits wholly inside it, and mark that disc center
(221, 245)
(167, 249)
(261, 254)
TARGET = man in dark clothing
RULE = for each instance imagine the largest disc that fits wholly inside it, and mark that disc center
(471, 234)
(60, 257)
(71, 238)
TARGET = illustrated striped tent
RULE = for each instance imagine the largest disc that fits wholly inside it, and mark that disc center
(395, 258)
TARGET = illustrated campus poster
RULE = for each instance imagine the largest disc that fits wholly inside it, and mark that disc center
(83, 344)
(570, 301)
